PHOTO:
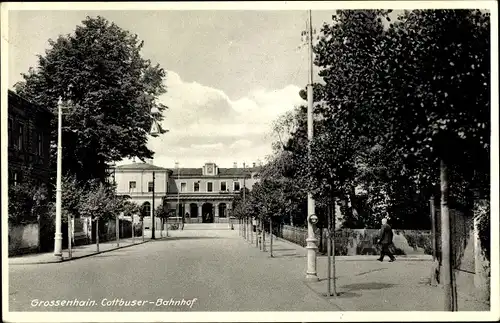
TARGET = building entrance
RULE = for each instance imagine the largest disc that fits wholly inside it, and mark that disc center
(207, 213)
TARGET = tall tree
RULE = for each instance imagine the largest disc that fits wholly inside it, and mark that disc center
(437, 70)
(111, 89)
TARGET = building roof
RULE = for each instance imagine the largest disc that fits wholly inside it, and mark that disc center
(222, 171)
(190, 171)
(16, 97)
(141, 166)
(187, 171)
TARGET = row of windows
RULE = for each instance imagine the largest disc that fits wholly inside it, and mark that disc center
(196, 187)
(17, 138)
(210, 186)
(133, 185)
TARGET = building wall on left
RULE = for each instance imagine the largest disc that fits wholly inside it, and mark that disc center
(29, 137)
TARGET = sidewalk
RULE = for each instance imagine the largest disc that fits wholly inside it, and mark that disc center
(365, 284)
(81, 251)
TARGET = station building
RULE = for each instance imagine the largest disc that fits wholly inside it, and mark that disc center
(202, 195)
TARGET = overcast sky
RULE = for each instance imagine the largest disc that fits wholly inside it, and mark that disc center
(230, 73)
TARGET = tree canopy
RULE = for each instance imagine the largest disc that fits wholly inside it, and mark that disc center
(109, 91)
(396, 99)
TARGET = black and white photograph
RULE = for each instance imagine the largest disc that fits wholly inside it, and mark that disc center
(249, 161)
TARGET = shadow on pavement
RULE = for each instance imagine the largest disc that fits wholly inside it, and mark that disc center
(185, 238)
(108, 256)
(370, 271)
(341, 295)
(283, 249)
(290, 255)
(367, 286)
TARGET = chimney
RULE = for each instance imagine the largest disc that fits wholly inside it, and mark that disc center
(253, 164)
(235, 165)
(243, 165)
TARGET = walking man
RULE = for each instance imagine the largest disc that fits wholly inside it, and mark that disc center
(385, 239)
(254, 224)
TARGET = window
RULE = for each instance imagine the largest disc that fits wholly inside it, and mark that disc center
(150, 187)
(223, 186)
(15, 178)
(9, 135)
(39, 147)
(210, 187)
(20, 139)
(236, 186)
(183, 187)
(196, 186)
(146, 209)
(132, 185)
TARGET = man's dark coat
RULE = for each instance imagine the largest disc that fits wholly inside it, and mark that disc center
(386, 234)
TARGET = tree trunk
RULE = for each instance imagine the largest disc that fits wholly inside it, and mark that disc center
(333, 248)
(117, 220)
(433, 227)
(447, 275)
(97, 233)
(70, 251)
(263, 235)
(329, 251)
(271, 236)
(435, 268)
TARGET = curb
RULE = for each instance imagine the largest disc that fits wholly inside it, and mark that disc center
(84, 256)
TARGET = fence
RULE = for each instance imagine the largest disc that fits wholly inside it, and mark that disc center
(470, 267)
(361, 241)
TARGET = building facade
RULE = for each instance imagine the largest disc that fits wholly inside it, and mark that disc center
(201, 195)
(28, 138)
(205, 195)
(145, 184)
(28, 149)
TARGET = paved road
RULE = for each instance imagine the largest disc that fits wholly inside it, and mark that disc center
(217, 268)
(222, 272)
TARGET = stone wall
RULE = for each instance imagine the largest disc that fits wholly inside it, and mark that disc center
(23, 238)
(350, 242)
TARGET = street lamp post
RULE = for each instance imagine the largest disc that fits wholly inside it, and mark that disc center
(58, 234)
(311, 240)
(153, 210)
(155, 130)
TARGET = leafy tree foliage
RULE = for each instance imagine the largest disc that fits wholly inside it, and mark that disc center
(111, 89)
(27, 202)
(101, 202)
(395, 100)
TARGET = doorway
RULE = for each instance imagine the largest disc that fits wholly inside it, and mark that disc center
(207, 213)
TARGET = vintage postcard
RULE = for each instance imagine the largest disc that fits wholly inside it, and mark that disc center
(249, 161)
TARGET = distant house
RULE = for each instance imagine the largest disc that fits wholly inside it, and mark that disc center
(28, 140)
(136, 181)
(204, 194)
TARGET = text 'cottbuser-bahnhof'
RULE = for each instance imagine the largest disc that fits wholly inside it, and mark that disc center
(201, 195)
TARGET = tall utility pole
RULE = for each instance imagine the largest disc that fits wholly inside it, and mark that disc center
(58, 234)
(153, 210)
(178, 190)
(446, 247)
(311, 240)
(247, 233)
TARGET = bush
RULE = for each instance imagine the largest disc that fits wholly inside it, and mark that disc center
(482, 210)
(173, 226)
